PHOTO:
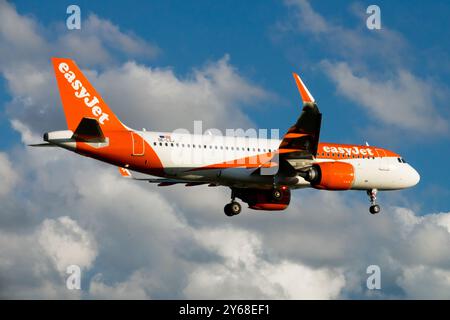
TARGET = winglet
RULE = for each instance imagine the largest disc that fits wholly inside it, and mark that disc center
(304, 92)
(125, 172)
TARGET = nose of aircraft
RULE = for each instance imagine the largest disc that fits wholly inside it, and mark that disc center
(413, 177)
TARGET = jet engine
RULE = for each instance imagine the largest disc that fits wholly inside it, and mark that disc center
(331, 175)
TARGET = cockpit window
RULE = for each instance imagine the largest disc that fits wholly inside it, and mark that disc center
(401, 160)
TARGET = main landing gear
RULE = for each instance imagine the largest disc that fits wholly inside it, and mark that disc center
(253, 197)
(233, 208)
(374, 208)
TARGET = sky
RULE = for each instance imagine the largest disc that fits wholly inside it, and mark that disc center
(164, 64)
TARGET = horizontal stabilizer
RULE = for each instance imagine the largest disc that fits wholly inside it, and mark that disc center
(42, 145)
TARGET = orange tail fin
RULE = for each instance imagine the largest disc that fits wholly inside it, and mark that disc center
(80, 99)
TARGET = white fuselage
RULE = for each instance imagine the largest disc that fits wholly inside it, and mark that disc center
(193, 157)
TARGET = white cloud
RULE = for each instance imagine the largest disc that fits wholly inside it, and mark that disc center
(141, 241)
(244, 272)
(214, 93)
(33, 261)
(132, 289)
(99, 40)
(8, 176)
(142, 96)
(66, 243)
(19, 36)
(355, 44)
(403, 101)
(308, 19)
(371, 69)
(424, 283)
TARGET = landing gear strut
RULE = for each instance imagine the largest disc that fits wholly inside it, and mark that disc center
(233, 208)
(374, 208)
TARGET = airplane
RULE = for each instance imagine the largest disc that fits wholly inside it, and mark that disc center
(260, 172)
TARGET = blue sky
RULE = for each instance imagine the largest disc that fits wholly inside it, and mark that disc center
(189, 34)
(228, 63)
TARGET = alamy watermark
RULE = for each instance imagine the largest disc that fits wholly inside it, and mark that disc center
(373, 21)
(73, 21)
(73, 281)
(374, 279)
(251, 148)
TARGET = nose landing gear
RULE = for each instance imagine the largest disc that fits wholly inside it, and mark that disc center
(374, 208)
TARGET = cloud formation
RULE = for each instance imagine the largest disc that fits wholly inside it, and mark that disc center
(402, 100)
(373, 69)
(134, 240)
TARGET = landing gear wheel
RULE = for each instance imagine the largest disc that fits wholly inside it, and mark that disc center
(374, 209)
(232, 209)
(277, 194)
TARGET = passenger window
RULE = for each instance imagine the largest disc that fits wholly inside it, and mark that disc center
(154, 143)
(167, 144)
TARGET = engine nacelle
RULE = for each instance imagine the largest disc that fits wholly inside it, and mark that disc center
(331, 175)
(259, 199)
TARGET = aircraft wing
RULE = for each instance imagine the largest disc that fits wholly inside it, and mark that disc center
(162, 182)
(302, 139)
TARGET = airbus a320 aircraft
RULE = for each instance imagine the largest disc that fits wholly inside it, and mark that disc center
(260, 172)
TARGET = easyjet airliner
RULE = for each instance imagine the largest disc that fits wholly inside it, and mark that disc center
(260, 172)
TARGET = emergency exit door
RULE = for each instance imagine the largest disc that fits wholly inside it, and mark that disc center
(138, 144)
